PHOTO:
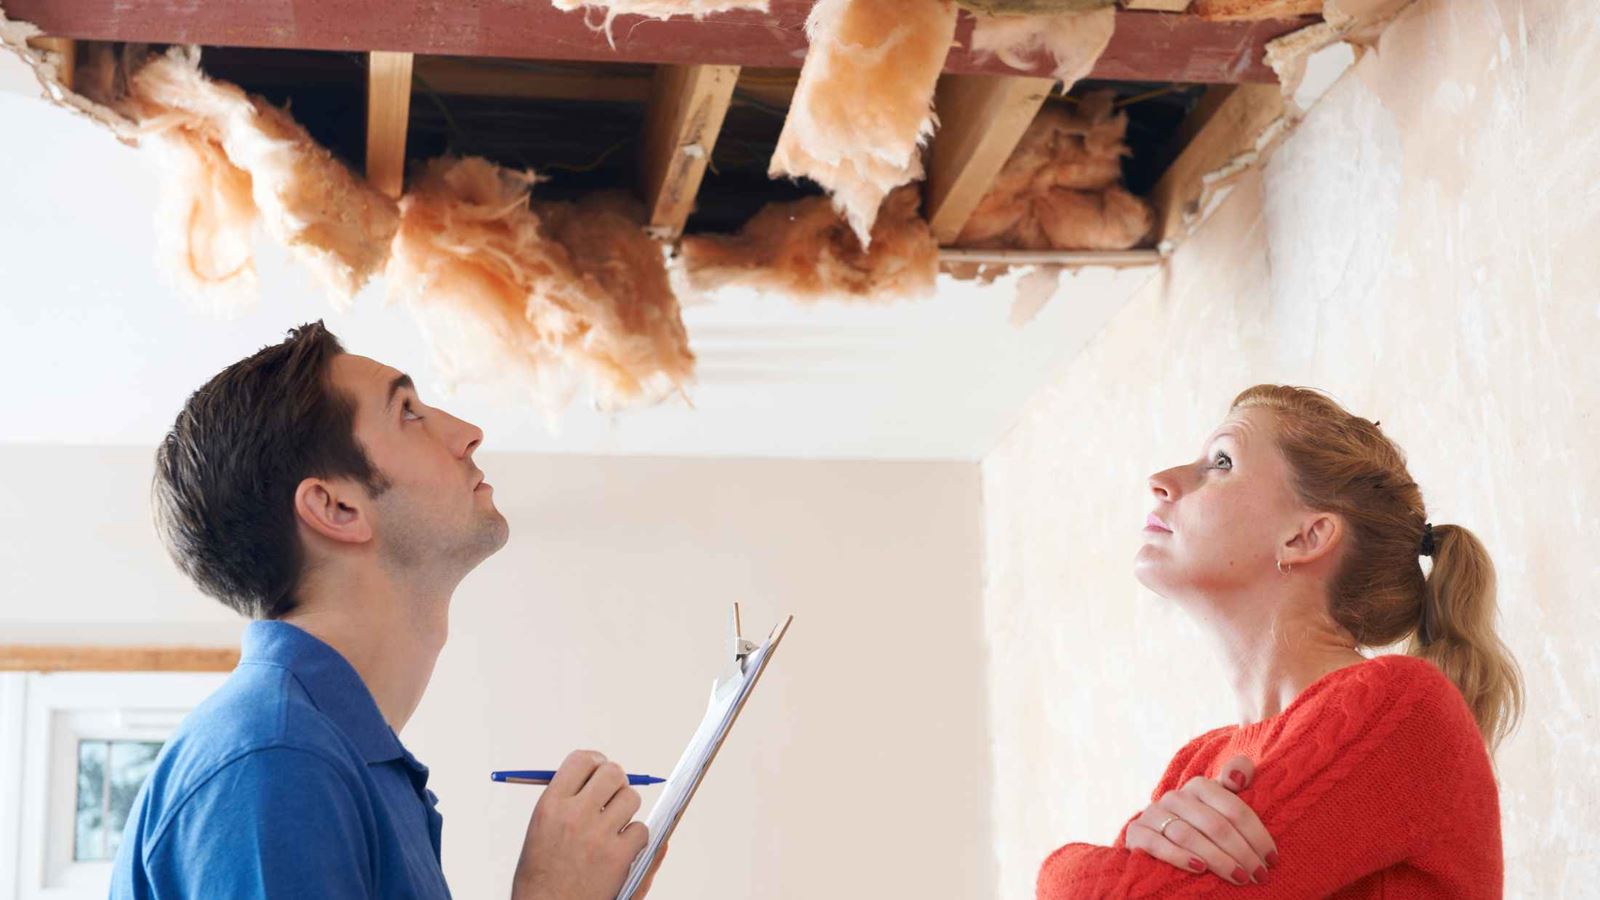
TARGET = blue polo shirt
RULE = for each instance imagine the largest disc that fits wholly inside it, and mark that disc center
(286, 782)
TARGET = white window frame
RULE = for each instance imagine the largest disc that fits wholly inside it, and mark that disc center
(42, 718)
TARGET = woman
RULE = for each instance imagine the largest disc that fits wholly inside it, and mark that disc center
(1296, 539)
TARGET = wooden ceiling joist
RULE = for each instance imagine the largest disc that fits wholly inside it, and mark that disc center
(388, 113)
(1147, 46)
(687, 106)
(1171, 6)
(1228, 124)
(1066, 259)
(981, 119)
(67, 50)
(1242, 10)
(515, 79)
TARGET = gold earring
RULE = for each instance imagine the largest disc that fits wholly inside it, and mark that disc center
(1282, 570)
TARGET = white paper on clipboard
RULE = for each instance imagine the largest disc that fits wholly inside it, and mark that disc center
(728, 695)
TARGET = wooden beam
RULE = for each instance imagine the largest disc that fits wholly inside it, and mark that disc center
(773, 87)
(1230, 126)
(67, 65)
(1247, 10)
(981, 119)
(74, 658)
(1146, 46)
(1071, 259)
(687, 106)
(502, 78)
(388, 114)
(1171, 6)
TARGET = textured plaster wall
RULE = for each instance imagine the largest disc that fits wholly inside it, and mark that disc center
(1425, 248)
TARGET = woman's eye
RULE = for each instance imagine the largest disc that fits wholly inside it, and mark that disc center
(1223, 458)
(406, 407)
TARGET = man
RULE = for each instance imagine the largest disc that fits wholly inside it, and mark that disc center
(313, 491)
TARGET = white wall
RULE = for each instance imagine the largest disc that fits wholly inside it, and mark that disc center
(1424, 248)
(859, 768)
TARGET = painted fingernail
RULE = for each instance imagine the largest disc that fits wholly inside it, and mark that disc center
(1239, 875)
(1261, 875)
(1237, 778)
(1272, 858)
(1197, 864)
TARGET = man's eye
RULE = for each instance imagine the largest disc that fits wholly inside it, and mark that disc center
(406, 407)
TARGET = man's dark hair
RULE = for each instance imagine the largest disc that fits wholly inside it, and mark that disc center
(226, 474)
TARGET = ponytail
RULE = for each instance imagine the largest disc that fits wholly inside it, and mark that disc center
(1456, 632)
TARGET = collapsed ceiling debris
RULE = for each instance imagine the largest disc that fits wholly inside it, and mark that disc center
(549, 290)
(803, 249)
(864, 105)
(232, 158)
(559, 281)
(1062, 187)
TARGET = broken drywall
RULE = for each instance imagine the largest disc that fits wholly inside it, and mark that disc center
(15, 36)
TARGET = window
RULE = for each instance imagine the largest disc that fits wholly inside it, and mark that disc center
(109, 776)
(75, 747)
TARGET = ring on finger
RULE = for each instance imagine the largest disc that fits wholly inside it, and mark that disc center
(1163, 829)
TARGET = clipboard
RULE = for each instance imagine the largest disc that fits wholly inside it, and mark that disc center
(728, 696)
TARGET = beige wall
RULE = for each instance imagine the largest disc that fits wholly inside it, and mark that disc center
(859, 769)
(1425, 248)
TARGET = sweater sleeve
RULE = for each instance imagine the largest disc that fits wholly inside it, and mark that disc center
(1179, 764)
(1357, 782)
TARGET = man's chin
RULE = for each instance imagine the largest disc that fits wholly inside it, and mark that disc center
(487, 537)
(499, 532)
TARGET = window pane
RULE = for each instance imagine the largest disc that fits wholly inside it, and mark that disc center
(109, 776)
(89, 840)
(129, 766)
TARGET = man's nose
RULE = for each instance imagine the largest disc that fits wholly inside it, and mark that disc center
(473, 436)
(463, 436)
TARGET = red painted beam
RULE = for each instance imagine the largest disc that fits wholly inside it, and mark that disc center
(1147, 46)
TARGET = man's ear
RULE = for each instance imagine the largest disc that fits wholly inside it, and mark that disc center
(1319, 535)
(334, 508)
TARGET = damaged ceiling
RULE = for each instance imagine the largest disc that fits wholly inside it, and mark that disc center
(676, 133)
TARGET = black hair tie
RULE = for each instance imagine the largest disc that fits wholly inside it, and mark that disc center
(1427, 539)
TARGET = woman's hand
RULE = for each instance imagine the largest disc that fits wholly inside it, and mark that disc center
(1208, 828)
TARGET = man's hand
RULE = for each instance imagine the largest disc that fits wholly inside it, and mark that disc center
(581, 838)
(1207, 828)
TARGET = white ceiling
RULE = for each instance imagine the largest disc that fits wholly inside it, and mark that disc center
(96, 348)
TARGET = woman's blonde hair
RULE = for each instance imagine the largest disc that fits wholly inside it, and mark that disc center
(1343, 464)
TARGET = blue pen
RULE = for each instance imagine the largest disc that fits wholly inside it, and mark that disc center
(543, 776)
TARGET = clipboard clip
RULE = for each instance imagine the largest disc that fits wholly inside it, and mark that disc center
(742, 648)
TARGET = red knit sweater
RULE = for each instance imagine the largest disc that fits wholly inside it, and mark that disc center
(1374, 782)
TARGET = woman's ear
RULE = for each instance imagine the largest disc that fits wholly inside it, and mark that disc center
(1319, 535)
(334, 509)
